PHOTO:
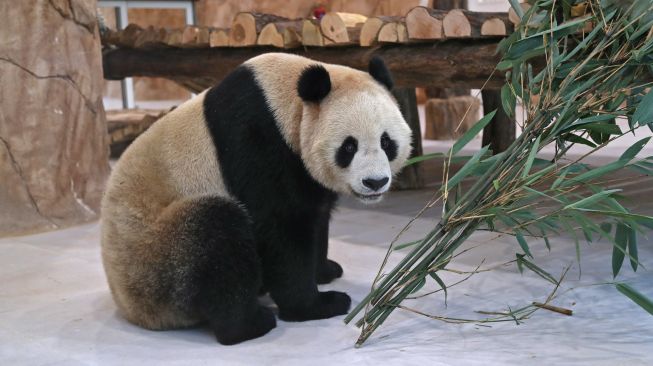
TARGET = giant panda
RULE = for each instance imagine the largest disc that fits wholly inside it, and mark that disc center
(232, 192)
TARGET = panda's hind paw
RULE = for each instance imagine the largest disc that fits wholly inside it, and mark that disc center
(328, 272)
(256, 325)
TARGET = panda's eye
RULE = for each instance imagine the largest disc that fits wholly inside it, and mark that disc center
(385, 141)
(346, 152)
(389, 146)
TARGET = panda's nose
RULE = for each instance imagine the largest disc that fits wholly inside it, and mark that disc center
(375, 184)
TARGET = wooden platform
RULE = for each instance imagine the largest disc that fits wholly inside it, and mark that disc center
(427, 47)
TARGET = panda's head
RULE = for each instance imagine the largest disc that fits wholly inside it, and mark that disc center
(353, 137)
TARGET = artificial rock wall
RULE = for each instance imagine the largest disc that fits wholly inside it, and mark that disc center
(53, 140)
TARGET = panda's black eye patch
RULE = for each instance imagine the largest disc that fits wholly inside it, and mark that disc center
(346, 152)
(389, 146)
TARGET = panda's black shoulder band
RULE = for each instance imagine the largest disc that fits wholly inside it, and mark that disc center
(380, 72)
(314, 83)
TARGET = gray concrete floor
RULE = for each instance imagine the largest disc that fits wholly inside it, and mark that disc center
(55, 307)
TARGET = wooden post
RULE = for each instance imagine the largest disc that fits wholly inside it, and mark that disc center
(500, 132)
(410, 177)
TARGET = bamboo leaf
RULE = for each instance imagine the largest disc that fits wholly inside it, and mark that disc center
(467, 169)
(583, 122)
(595, 173)
(546, 241)
(632, 249)
(508, 100)
(406, 245)
(537, 270)
(637, 297)
(578, 140)
(644, 113)
(536, 41)
(642, 219)
(417, 285)
(424, 157)
(472, 132)
(588, 201)
(523, 244)
(531, 156)
(517, 8)
(572, 232)
(604, 128)
(536, 192)
(632, 151)
(619, 249)
(441, 283)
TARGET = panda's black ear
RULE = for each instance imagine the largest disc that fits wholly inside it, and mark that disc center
(380, 72)
(314, 83)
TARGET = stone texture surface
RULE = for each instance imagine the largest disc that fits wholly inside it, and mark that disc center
(53, 142)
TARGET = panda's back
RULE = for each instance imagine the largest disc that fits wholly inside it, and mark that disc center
(175, 158)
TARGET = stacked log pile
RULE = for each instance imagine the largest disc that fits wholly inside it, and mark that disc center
(448, 119)
(124, 126)
(249, 29)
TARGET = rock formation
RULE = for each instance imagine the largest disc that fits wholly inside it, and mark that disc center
(53, 141)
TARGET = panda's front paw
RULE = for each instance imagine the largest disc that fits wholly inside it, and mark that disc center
(326, 305)
(328, 272)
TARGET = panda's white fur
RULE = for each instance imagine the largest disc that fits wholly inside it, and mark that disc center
(174, 225)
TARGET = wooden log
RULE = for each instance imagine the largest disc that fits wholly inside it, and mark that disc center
(203, 37)
(428, 65)
(489, 23)
(447, 119)
(432, 24)
(512, 15)
(189, 35)
(371, 28)
(193, 36)
(311, 34)
(394, 32)
(424, 24)
(146, 38)
(173, 38)
(501, 131)
(354, 34)
(494, 27)
(124, 126)
(247, 25)
(219, 37)
(456, 24)
(334, 26)
(281, 34)
(129, 35)
(110, 37)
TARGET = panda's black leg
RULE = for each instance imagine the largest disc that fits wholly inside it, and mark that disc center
(327, 269)
(225, 276)
(290, 274)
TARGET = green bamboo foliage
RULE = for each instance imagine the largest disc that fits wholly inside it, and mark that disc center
(575, 76)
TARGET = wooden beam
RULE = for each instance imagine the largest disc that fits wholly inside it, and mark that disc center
(450, 64)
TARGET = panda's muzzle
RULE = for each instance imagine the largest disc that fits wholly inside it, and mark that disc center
(368, 197)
